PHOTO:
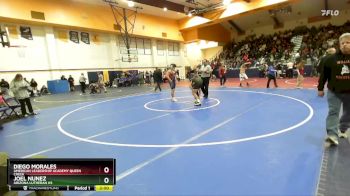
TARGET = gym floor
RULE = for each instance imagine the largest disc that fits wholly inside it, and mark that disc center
(241, 141)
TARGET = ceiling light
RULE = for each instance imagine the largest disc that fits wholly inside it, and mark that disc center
(189, 14)
(226, 2)
(165, 9)
(131, 3)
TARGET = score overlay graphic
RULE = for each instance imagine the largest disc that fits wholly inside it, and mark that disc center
(61, 174)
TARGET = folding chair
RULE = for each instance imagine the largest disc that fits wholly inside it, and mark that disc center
(13, 104)
(3, 113)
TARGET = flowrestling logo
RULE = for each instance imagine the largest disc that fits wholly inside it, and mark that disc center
(330, 12)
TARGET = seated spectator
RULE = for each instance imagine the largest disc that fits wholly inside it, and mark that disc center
(115, 83)
(108, 84)
(4, 86)
(63, 77)
(93, 87)
(34, 86)
(44, 90)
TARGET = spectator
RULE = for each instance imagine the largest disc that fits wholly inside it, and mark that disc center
(300, 71)
(93, 88)
(4, 86)
(334, 70)
(82, 81)
(329, 51)
(101, 84)
(271, 75)
(44, 90)
(290, 66)
(157, 75)
(19, 87)
(34, 86)
(262, 70)
(63, 77)
(71, 83)
(222, 75)
(147, 79)
(2, 104)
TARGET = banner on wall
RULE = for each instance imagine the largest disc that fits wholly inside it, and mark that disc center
(26, 32)
(74, 36)
(62, 35)
(85, 37)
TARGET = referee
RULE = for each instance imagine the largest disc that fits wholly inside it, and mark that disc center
(205, 72)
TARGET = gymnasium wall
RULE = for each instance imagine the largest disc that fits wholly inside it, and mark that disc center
(51, 54)
(96, 17)
(209, 53)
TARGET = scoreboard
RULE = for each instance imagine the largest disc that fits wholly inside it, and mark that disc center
(61, 174)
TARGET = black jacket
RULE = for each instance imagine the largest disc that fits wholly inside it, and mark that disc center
(157, 75)
(335, 69)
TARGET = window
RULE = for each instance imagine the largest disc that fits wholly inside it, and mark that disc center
(148, 46)
(173, 49)
(139, 44)
(160, 48)
(123, 49)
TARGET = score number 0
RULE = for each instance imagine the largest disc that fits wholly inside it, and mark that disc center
(106, 179)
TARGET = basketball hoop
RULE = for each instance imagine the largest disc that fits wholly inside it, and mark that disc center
(131, 58)
(21, 50)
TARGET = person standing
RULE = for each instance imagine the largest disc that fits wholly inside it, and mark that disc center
(300, 71)
(222, 75)
(290, 69)
(171, 77)
(148, 79)
(71, 83)
(335, 71)
(158, 79)
(271, 75)
(196, 84)
(242, 75)
(205, 73)
(82, 81)
(19, 87)
(101, 83)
